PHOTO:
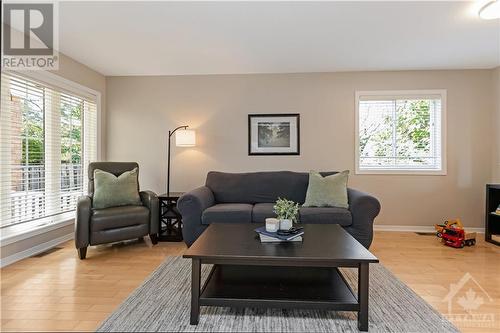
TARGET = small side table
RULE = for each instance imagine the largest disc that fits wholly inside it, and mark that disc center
(170, 218)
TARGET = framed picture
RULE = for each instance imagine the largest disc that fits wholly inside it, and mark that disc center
(274, 134)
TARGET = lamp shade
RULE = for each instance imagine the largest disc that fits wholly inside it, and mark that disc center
(490, 11)
(185, 138)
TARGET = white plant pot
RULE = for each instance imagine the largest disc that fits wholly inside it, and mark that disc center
(286, 224)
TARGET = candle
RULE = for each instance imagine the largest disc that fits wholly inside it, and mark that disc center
(272, 224)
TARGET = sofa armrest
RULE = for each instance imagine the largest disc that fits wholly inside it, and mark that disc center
(364, 209)
(82, 227)
(191, 206)
(150, 200)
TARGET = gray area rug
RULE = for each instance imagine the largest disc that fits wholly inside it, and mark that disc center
(162, 303)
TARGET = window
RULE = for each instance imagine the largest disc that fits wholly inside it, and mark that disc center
(400, 132)
(48, 135)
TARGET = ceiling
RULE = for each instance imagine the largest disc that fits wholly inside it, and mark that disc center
(178, 38)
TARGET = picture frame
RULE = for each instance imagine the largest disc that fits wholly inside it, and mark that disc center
(274, 134)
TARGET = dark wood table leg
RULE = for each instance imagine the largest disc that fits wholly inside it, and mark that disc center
(363, 276)
(195, 292)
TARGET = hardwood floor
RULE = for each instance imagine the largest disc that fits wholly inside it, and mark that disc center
(429, 268)
(57, 291)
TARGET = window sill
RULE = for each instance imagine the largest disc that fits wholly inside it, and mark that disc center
(15, 233)
(401, 172)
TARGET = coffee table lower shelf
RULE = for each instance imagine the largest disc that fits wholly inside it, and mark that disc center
(277, 287)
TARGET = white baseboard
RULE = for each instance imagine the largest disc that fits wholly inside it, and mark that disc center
(416, 228)
(35, 250)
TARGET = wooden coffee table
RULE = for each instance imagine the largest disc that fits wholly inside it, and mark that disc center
(248, 273)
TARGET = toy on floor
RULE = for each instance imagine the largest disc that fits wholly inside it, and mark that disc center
(447, 224)
(452, 233)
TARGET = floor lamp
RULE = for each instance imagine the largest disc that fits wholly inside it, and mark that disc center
(183, 138)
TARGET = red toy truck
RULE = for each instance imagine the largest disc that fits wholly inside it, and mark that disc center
(457, 237)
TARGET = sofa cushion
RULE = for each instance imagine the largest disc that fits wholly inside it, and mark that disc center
(323, 215)
(261, 211)
(257, 187)
(307, 214)
(227, 213)
(117, 217)
(329, 191)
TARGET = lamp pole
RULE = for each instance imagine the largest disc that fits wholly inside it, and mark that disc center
(170, 133)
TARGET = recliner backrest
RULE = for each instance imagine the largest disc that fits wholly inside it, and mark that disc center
(255, 187)
(116, 168)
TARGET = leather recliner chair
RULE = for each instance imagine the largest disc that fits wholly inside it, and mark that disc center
(100, 226)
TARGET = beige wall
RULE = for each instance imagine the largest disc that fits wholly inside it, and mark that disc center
(496, 121)
(141, 110)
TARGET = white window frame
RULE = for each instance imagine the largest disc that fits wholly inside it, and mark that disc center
(28, 229)
(401, 94)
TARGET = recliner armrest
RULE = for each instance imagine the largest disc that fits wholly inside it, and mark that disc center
(150, 200)
(82, 227)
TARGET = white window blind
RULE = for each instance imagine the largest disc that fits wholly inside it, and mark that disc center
(400, 133)
(48, 135)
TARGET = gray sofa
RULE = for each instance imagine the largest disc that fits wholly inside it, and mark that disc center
(249, 198)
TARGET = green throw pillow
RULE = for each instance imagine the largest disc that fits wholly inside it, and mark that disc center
(329, 191)
(112, 191)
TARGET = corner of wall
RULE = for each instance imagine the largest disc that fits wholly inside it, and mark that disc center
(496, 125)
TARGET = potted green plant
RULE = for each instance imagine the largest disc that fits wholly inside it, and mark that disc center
(286, 212)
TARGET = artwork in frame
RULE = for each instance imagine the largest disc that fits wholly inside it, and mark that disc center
(274, 134)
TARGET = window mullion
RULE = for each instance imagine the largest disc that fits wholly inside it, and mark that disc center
(52, 151)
